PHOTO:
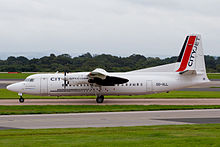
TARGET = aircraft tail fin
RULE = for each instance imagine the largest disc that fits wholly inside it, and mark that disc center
(191, 57)
(190, 61)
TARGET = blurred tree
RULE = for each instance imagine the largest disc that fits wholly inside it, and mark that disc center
(87, 62)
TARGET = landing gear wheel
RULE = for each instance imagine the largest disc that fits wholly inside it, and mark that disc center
(21, 99)
(100, 99)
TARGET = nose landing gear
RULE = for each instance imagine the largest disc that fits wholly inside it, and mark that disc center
(21, 99)
(100, 99)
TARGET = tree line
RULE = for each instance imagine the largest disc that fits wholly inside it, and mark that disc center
(88, 62)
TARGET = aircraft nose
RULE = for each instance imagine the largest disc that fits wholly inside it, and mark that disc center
(14, 87)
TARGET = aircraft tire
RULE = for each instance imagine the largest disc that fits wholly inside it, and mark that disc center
(21, 99)
(100, 99)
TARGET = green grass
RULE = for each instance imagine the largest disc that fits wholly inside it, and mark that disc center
(14, 75)
(52, 109)
(213, 75)
(172, 135)
(5, 94)
(24, 75)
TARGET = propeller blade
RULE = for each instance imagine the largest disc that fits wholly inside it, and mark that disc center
(65, 80)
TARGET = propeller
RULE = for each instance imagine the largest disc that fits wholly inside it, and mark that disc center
(65, 81)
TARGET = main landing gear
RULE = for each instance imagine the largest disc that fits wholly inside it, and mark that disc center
(21, 99)
(100, 99)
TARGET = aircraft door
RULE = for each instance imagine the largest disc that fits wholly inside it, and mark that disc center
(44, 86)
(149, 86)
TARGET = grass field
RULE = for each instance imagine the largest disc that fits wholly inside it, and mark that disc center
(52, 109)
(14, 75)
(24, 75)
(5, 94)
(213, 75)
(175, 135)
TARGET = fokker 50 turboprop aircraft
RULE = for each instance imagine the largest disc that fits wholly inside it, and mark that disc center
(189, 70)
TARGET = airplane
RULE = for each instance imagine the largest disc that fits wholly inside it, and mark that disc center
(189, 70)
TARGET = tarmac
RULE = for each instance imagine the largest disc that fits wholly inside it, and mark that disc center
(110, 119)
(175, 101)
(5, 82)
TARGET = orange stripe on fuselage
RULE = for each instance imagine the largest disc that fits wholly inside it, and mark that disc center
(187, 53)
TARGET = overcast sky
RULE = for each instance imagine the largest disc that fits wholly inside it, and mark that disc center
(119, 27)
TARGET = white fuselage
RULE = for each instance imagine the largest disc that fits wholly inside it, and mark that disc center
(189, 70)
(138, 84)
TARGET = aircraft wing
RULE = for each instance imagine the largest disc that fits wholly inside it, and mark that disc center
(101, 77)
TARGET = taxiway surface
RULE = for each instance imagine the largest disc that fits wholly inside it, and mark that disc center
(109, 119)
(135, 101)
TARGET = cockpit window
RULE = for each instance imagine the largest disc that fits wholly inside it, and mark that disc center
(29, 80)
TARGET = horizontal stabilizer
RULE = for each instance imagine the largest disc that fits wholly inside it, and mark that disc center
(188, 72)
(162, 68)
